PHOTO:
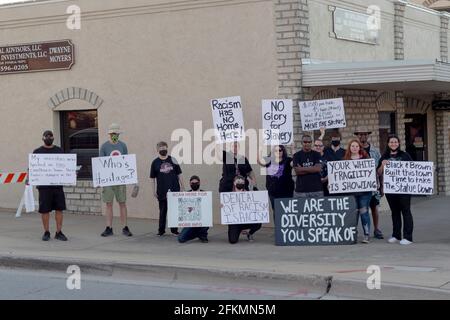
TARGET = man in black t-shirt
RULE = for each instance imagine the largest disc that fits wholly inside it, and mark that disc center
(307, 166)
(165, 173)
(51, 197)
(334, 152)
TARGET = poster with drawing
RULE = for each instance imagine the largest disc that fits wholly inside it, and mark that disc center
(189, 209)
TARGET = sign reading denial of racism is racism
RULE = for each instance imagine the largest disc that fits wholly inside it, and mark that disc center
(114, 170)
(408, 177)
(228, 119)
(189, 209)
(318, 114)
(52, 169)
(277, 122)
(244, 207)
(352, 176)
(315, 221)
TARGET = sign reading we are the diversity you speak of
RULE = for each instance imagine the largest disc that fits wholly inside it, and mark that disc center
(228, 119)
(244, 207)
(408, 177)
(114, 170)
(189, 209)
(52, 169)
(352, 176)
(277, 122)
(328, 114)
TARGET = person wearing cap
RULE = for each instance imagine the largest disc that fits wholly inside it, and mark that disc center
(194, 232)
(51, 197)
(114, 147)
(363, 136)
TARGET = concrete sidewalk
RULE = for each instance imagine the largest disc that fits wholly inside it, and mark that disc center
(420, 271)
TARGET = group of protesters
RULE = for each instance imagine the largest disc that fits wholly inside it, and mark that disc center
(303, 174)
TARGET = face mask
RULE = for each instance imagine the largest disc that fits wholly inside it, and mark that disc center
(163, 153)
(48, 141)
(335, 143)
(240, 186)
(195, 186)
(115, 138)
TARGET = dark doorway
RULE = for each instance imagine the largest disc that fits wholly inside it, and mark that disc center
(416, 136)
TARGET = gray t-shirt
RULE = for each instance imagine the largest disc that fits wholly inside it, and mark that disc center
(113, 149)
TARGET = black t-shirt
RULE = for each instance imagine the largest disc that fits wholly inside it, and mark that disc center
(56, 150)
(279, 181)
(231, 168)
(166, 173)
(400, 156)
(309, 182)
(330, 155)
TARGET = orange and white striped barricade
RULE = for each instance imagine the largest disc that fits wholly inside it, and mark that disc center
(15, 178)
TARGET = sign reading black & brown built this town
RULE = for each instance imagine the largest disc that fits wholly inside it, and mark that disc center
(41, 56)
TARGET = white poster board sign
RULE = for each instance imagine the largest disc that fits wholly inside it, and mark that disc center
(349, 176)
(318, 114)
(408, 177)
(228, 119)
(114, 170)
(244, 207)
(189, 209)
(277, 122)
(52, 169)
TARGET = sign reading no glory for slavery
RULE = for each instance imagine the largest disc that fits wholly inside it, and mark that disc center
(244, 207)
(352, 176)
(315, 221)
(189, 209)
(228, 119)
(277, 122)
(40, 56)
(52, 169)
(318, 114)
(114, 170)
(408, 177)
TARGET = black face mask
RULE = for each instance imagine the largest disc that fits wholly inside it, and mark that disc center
(336, 143)
(48, 141)
(240, 186)
(163, 153)
(195, 186)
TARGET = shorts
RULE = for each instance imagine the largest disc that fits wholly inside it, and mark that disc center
(375, 200)
(51, 199)
(120, 192)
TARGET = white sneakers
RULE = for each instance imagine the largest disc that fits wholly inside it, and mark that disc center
(392, 240)
(403, 241)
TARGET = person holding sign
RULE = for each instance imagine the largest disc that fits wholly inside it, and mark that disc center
(51, 197)
(114, 147)
(400, 204)
(165, 173)
(355, 151)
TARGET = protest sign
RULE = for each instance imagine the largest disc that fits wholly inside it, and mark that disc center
(352, 176)
(408, 177)
(315, 221)
(277, 122)
(52, 169)
(228, 119)
(189, 209)
(114, 170)
(244, 207)
(318, 114)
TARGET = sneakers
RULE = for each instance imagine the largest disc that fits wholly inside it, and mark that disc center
(176, 233)
(393, 240)
(46, 236)
(108, 232)
(160, 234)
(378, 234)
(366, 239)
(405, 242)
(204, 240)
(60, 236)
(126, 232)
(250, 237)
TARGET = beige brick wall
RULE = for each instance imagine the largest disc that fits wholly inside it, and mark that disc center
(443, 151)
(83, 199)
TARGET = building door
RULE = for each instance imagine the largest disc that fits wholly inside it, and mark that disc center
(416, 136)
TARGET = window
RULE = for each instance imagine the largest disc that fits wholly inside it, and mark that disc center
(387, 126)
(80, 136)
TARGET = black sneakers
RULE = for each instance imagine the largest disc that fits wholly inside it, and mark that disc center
(126, 231)
(204, 240)
(60, 236)
(46, 236)
(108, 232)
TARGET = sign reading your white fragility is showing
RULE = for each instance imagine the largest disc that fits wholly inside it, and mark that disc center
(318, 114)
(189, 209)
(244, 207)
(114, 170)
(52, 169)
(277, 122)
(228, 119)
(408, 177)
(352, 176)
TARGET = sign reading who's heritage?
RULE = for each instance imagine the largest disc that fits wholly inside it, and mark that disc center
(39, 56)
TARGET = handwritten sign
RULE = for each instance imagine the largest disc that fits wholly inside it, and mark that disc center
(189, 209)
(315, 221)
(352, 176)
(408, 177)
(114, 170)
(52, 169)
(228, 119)
(277, 122)
(244, 207)
(318, 114)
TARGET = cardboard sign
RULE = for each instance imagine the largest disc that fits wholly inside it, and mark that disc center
(318, 114)
(228, 119)
(408, 177)
(352, 176)
(114, 170)
(52, 169)
(316, 221)
(189, 209)
(277, 122)
(244, 207)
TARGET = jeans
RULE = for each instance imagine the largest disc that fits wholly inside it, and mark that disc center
(192, 233)
(362, 204)
(400, 205)
(234, 230)
(163, 217)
